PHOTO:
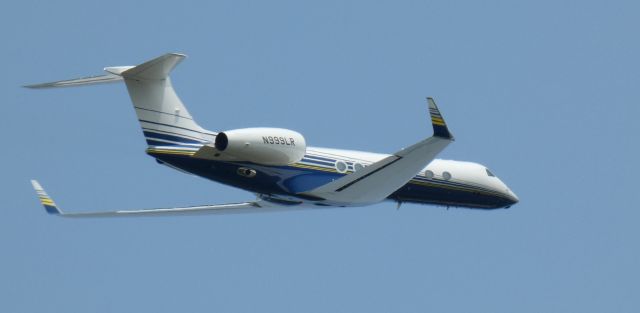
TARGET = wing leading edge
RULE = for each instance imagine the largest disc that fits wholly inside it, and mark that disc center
(231, 208)
(377, 181)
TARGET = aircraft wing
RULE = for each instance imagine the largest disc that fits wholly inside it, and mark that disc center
(231, 208)
(377, 181)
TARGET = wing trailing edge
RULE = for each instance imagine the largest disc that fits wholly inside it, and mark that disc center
(229, 208)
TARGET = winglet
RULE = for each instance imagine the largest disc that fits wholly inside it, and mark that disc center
(46, 201)
(439, 126)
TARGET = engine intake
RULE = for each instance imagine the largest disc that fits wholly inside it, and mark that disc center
(222, 141)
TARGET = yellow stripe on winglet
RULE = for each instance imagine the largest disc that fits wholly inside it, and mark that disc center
(47, 202)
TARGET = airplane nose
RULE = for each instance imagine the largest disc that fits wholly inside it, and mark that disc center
(513, 199)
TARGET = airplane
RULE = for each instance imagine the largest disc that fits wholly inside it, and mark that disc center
(277, 165)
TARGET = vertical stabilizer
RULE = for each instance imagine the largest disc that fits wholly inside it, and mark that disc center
(164, 119)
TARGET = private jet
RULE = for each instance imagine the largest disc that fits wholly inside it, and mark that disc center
(278, 166)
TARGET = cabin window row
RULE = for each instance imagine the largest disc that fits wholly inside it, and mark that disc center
(445, 175)
(342, 166)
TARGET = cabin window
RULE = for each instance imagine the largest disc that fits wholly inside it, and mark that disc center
(428, 174)
(357, 166)
(489, 173)
(446, 175)
(341, 166)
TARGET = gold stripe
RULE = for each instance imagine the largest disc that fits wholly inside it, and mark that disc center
(331, 170)
(150, 149)
(170, 150)
(176, 152)
(314, 167)
(173, 151)
(47, 202)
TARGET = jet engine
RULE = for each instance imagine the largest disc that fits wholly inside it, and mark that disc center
(267, 146)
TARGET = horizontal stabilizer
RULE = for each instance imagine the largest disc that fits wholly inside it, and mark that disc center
(93, 80)
(156, 69)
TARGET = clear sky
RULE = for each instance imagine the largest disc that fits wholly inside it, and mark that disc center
(545, 93)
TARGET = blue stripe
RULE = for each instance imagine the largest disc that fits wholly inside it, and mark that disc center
(169, 137)
(319, 158)
(51, 209)
(178, 127)
(155, 130)
(167, 144)
(331, 164)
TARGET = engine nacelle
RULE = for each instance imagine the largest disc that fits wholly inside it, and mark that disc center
(268, 146)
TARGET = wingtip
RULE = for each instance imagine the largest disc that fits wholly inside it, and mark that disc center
(45, 200)
(440, 128)
(34, 86)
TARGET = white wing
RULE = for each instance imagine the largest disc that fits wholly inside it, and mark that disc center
(231, 208)
(379, 180)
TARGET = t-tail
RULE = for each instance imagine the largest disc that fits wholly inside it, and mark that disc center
(164, 119)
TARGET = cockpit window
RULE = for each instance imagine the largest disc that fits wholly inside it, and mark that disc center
(489, 173)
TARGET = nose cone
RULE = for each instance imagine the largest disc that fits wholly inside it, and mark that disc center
(511, 198)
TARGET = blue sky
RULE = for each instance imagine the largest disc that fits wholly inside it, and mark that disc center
(543, 92)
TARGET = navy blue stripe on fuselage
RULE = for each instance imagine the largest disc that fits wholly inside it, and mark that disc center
(177, 127)
(155, 130)
(153, 135)
(315, 162)
(319, 158)
(156, 143)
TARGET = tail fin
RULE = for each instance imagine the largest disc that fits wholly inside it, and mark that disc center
(164, 119)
